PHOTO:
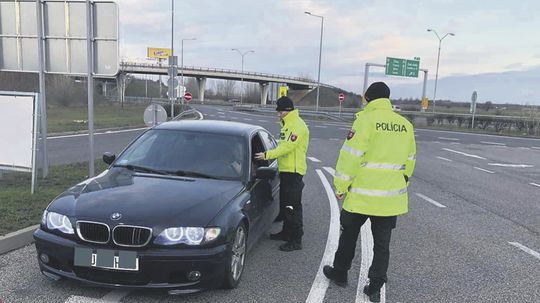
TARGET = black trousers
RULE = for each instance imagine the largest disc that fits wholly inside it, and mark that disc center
(290, 201)
(381, 228)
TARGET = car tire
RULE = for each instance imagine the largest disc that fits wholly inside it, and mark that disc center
(237, 258)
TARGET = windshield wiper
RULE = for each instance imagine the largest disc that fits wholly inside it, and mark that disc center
(187, 173)
(142, 169)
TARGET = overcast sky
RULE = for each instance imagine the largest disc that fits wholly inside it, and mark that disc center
(493, 39)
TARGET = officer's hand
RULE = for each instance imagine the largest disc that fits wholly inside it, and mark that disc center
(340, 196)
(259, 156)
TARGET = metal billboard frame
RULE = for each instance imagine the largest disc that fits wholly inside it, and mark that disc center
(48, 39)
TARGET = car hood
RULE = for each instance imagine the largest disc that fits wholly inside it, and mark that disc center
(147, 200)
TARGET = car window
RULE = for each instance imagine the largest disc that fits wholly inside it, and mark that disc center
(257, 146)
(268, 140)
(220, 156)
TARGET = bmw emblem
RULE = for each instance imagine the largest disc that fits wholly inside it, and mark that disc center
(116, 216)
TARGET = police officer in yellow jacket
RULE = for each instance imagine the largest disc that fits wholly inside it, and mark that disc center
(372, 173)
(291, 154)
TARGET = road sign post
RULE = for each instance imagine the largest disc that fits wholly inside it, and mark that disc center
(341, 98)
(366, 75)
(474, 97)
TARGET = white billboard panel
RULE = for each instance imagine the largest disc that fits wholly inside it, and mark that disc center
(16, 132)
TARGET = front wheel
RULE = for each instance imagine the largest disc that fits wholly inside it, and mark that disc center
(235, 266)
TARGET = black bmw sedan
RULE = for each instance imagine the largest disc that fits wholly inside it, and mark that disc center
(178, 209)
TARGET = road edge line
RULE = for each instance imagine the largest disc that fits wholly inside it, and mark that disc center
(320, 283)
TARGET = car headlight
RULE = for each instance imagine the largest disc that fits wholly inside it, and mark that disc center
(57, 221)
(187, 235)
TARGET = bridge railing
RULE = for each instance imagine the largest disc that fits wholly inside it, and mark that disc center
(221, 70)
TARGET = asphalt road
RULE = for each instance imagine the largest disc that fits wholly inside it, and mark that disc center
(472, 233)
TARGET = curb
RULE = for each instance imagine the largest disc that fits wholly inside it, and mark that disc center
(79, 132)
(17, 239)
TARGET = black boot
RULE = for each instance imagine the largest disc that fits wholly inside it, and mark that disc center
(280, 236)
(336, 276)
(291, 246)
(373, 293)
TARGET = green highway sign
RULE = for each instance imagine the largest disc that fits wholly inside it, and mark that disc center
(402, 67)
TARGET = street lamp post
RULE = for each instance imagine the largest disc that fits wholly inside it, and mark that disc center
(438, 57)
(182, 64)
(320, 56)
(242, 75)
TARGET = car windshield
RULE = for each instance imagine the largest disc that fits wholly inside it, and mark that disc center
(188, 154)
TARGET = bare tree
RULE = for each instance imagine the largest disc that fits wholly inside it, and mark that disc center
(225, 89)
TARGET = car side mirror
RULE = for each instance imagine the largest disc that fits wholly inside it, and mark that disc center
(265, 172)
(108, 158)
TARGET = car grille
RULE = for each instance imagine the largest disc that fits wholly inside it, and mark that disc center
(135, 236)
(93, 231)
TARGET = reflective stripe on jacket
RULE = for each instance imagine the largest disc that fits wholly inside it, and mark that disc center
(379, 152)
(292, 145)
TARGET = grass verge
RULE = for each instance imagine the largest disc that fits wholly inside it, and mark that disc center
(20, 209)
(64, 119)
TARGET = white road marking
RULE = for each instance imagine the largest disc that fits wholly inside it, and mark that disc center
(335, 139)
(445, 159)
(115, 295)
(330, 170)
(492, 143)
(446, 138)
(248, 119)
(455, 143)
(430, 200)
(112, 297)
(526, 249)
(320, 126)
(210, 115)
(264, 121)
(81, 299)
(320, 284)
(524, 148)
(313, 159)
(535, 147)
(511, 165)
(473, 134)
(534, 184)
(366, 243)
(484, 170)
(343, 128)
(95, 134)
(464, 154)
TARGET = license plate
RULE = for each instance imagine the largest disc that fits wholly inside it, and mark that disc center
(104, 258)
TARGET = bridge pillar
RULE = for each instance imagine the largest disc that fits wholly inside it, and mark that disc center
(202, 86)
(265, 87)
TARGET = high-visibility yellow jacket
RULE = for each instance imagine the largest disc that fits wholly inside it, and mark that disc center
(379, 152)
(292, 145)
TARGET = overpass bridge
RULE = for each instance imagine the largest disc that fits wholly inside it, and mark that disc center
(201, 74)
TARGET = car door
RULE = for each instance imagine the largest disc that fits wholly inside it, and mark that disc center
(260, 191)
(272, 207)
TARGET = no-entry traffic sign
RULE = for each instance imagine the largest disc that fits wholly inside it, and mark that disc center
(187, 96)
(341, 97)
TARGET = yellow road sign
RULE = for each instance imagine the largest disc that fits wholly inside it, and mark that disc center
(425, 103)
(159, 53)
(283, 91)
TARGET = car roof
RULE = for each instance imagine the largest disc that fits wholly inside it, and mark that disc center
(211, 126)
